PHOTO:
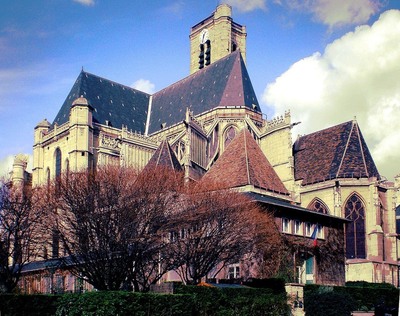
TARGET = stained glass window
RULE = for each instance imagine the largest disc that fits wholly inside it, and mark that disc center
(230, 134)
(58, 162)
(355, 230)
(318, 206)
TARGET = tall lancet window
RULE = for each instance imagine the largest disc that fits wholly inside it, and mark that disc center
(58, 162)
(207, 55)
(201, 56)
(355, 230)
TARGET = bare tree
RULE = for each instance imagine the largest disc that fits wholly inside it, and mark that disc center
(19, 231)
(268, 250)
(211, 229)
(109, 224)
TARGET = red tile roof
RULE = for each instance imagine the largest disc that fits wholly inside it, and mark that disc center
(165, 156)
(243, 163)
(336, 152)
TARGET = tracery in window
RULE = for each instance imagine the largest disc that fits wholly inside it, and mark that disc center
(355, 230)
(318, 206)
(230, 134)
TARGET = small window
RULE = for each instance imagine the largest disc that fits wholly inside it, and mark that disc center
(298, 228)
(172, 236)
(320, 231)
(286, 225)
(234, 271)
(308, 229)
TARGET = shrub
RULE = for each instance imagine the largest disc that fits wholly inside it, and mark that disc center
(235, 301)
(329, 304)
(20, 305)
(123, 303)
(364, 296)
(277, 285)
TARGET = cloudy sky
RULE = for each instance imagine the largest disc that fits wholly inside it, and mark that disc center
(327, 61)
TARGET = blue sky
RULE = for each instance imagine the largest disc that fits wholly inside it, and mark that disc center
(326, 61)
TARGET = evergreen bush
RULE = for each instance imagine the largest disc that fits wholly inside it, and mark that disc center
(365, 296)
(24, 305)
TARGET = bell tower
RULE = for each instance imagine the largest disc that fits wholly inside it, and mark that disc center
(216, 37)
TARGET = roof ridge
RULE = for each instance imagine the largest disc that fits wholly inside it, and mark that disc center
(111, 81)
(247, 159)
(345, 150)
(362, 150)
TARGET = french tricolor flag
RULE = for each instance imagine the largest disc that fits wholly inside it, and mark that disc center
(314, 236)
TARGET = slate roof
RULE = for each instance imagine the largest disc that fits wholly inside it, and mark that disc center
(243, 163)
(336, 152)
(290, 210)
(223, 83)
(165, 156)
(112, 102)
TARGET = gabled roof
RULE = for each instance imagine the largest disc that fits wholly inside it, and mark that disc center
(165, 156)
(336, 152)
(111, 102)
(223, 83)
(243, 163)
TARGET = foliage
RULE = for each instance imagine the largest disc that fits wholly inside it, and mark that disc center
(364, 298)
(190, 300)
(275, 284)
(329, 304)
(123, 303)
(370, 285)
(329, 255)
(235, 301)
(32, 305)
(20, 227)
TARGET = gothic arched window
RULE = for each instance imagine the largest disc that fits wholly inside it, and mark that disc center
(318, 206)
(355, 230)
(58, 162)
(230, 134)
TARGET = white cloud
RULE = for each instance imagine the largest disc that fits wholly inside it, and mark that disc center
(357, 75)
(246, 5)
(85, 2)
(6, 166)
(336, 13)
(144, 85)
(175, 7)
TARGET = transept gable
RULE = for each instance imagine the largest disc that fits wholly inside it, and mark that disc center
(113, 104)
(336, 152)
(243, 163)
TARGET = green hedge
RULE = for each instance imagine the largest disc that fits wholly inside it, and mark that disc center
(123, 303)
(318, 300)
(24, 305)
(235, 301)
(189, 300)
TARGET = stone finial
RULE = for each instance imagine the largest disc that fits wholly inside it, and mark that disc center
(21, 159)
(44, 123)
(80, 101)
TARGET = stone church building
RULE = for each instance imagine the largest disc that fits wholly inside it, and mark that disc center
(214, 127)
